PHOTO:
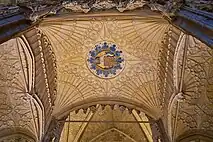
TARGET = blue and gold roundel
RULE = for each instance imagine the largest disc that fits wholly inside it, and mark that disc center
(105, 60)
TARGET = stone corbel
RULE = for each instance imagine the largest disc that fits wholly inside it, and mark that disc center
(178, 98)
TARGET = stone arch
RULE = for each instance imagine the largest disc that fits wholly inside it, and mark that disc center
(129, 104)
(131, 108)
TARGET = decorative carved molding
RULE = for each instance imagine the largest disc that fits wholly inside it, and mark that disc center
(37, 9)
(45, 70)
(50, 69)
(94, 108)
(85, 7)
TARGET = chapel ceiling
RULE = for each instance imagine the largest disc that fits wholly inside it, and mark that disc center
(160, 66)
(135, 59)
(138, 37)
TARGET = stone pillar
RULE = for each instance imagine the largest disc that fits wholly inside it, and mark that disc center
(158, 131)
(54, 131)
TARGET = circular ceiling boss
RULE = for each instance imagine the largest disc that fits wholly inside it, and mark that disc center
(106, 60)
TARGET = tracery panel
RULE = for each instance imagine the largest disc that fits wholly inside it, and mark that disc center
(18, 111)
(194, 81)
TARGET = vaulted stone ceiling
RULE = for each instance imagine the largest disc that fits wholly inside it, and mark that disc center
(163, 67)
(166, 74)
(138, 36)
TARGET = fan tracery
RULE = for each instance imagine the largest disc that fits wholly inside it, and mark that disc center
(18, 111)
(143, 63)
(192, 112)
(134, 37)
